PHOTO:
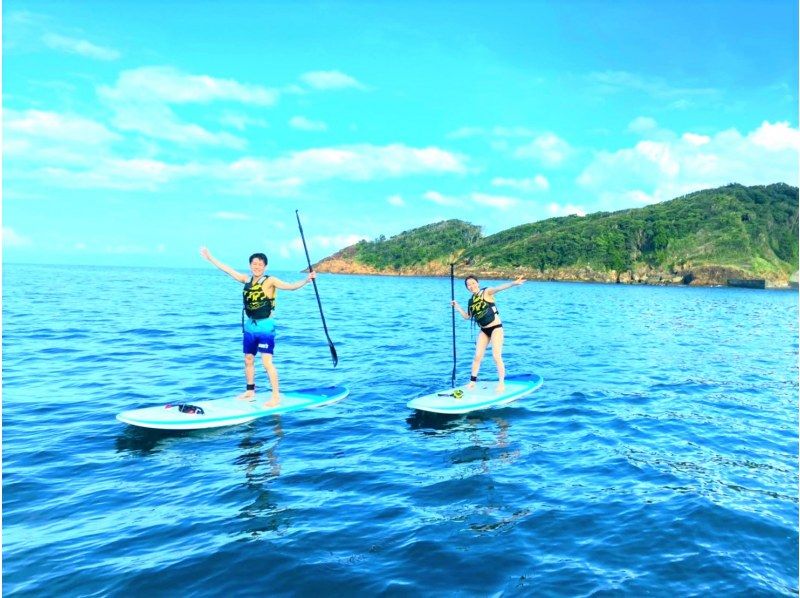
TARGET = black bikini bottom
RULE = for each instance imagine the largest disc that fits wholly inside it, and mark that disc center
(488, 330)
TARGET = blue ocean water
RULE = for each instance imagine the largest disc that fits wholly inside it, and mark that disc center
(660, 457)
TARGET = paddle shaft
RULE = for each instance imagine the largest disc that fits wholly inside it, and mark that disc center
(453, 314)
(316, 292)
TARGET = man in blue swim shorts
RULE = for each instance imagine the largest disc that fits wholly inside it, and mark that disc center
(258, 327)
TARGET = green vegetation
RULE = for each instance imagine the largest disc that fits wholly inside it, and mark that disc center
(418, 247)
(752, 229)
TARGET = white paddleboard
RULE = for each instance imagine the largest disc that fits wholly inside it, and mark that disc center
(482, 396)
(196, 415)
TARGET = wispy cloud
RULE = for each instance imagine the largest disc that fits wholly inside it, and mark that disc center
(41, 138)
(81, 47)
(241, 122)
(119, 174)
(304, 124)
(357, 163)
(642, 124)
(143, 99)
(169, 85)
(231, 216)
(396, 200)
(529, 185)
(318, 244)
(611, 82)
(330, 80)
(548, 149)
(497, 132)
(12, 238)
(495, 201)
(440, 199)
(132, 249)
(56, 127)
(159, 121)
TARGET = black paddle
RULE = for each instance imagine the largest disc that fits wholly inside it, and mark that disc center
(453, 309)
(316, 292)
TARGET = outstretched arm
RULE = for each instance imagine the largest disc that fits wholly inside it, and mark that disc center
(225, 268)
(291, 286)
(493, 290)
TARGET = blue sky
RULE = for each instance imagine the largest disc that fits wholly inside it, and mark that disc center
(134, 132)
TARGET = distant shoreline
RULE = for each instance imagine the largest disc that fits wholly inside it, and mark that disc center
(510, 276)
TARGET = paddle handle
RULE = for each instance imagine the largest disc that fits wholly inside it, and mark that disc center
(334, 357)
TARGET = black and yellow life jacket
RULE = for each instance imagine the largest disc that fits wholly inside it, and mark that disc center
(257, 305)
(481, 310)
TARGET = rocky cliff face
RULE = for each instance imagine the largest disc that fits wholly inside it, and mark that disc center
(685, 274)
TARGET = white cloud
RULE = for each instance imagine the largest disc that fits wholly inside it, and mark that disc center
(548, 149)
(396, 200)
(12, 238)
(327, 80)
(777, 137)
(79, 46)
(304, 124)
(495, 201)
(566, 210)
(537, 183)
(695, 139)
(654, 171)
(440, 199)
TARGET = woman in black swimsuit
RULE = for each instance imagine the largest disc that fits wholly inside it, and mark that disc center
(483, 310)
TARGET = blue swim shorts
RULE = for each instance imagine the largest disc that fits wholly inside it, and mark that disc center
(259, 336)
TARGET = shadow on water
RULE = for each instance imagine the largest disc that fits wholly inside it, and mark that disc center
(259, 458)
(144, 441)
(425, 420)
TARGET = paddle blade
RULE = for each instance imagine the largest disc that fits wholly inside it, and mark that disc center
(334, 356)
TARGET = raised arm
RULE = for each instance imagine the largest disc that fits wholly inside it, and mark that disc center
(493, 290)
(225, 268)
(290, 286)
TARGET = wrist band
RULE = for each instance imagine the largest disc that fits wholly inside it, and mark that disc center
(473, 378)
(251, 387)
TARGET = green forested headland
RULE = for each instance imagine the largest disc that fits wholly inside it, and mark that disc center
(702, 238)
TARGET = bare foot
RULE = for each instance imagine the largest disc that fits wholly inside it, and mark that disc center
(501, 387)
(471, 385)
(273, 402)
(247, 395)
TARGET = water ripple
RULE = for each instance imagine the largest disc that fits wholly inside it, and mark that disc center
(659, 458)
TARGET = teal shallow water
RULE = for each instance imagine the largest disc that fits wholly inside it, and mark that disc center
(659, 457)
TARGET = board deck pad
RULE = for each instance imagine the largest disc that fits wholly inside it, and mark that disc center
(215, 413)
(483, 396)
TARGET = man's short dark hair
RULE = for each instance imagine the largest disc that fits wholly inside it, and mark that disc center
(259, 256)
